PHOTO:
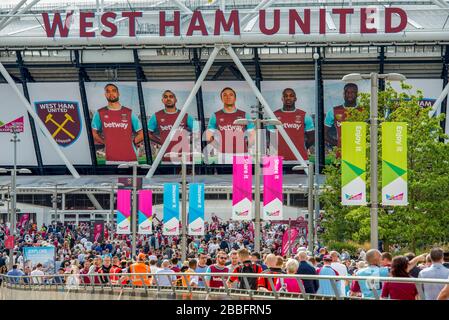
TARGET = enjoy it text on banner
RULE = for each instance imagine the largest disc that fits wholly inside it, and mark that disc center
(353, 163)
(272, 188)
(145, 212)
(242, 194)
(394, 164)
(123, 211)
(196, 209)
(171, 209)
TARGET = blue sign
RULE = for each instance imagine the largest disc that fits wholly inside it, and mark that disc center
(196, 209)
(43, 255)
(171, 209)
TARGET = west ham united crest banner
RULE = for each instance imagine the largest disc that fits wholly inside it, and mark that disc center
(394, 164)
(272, 188)
(123, 211)
(242, 195)
(171, 209)
(196, 209)
(62, 119)
(353, 163)
(145, 212)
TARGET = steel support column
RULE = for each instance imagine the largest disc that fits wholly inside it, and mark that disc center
(199, 100)
(82, 77)
(445, 76)
(25, 77)
(140, 76)
(320, 114)
(382, 68)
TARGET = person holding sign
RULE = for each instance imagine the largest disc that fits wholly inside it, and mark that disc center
(225, 136)
(114, 126)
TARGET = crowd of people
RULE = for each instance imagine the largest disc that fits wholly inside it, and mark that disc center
(227, 247)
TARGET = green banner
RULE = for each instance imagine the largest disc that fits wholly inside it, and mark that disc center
(394, 164)
(353, 163)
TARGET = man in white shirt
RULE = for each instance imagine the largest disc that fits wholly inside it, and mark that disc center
(340, 268)
(165, 280)
(38, 272)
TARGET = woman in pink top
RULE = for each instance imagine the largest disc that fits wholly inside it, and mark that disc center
(289, 284)
(399, 290)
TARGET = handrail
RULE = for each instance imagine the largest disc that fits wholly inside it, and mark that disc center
(41, 281)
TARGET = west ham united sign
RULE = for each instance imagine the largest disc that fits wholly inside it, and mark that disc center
(62, 119)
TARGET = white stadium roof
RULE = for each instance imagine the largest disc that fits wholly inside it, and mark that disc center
(21, 25)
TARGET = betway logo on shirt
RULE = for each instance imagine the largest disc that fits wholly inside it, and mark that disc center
(229, 127)
(169, 126)
(295, 126)
(120, 125)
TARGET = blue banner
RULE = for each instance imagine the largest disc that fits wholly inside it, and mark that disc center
(44, 255)
(171, 209)
(196, 209)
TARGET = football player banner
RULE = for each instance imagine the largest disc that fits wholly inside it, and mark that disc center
(196, 209)
(171, 209)
(145, 212)
(272, 188)
(123, 211)
(394, 164)
(353, 163)
(242, 195)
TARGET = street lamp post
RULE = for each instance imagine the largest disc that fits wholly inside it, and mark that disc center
(374, 77)
(13, 194)
(134, 165)
(184, 195)
(112, 185)
(258, 124)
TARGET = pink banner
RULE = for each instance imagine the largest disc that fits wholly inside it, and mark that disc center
(272, 188)
(145, 211)
(23, 220)
(124, 211)
(286, 244)
(8, 126)
(242, 195)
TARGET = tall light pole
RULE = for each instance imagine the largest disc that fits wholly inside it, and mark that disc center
(258, 124)
(184, 195)
(134, 165)
(374, 77)
(13, 194)
(112, 185)
(54, 199)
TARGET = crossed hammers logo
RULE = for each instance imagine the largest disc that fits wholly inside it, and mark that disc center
(61, 126)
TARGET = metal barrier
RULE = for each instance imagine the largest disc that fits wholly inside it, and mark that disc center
(145, 285)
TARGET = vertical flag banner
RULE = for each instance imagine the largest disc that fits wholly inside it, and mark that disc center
(123, 211)
(272, 188)
(394, 164)
(98, 233)
(145, 212)
(353, 163)
(286, 244)
(171, 209)
(196, 209)
(242, 194)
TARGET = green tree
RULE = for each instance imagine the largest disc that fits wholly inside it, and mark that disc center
(425, 220)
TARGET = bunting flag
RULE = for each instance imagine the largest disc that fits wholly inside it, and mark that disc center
(272, 188)
(171, 209)
(394, 164)
(123, 211)
(145, 212)
(353, 163)
(196, 209)
(242, 194)
(286, 244)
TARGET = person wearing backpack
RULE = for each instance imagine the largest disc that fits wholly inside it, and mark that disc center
(246, 266)
(274, 264)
